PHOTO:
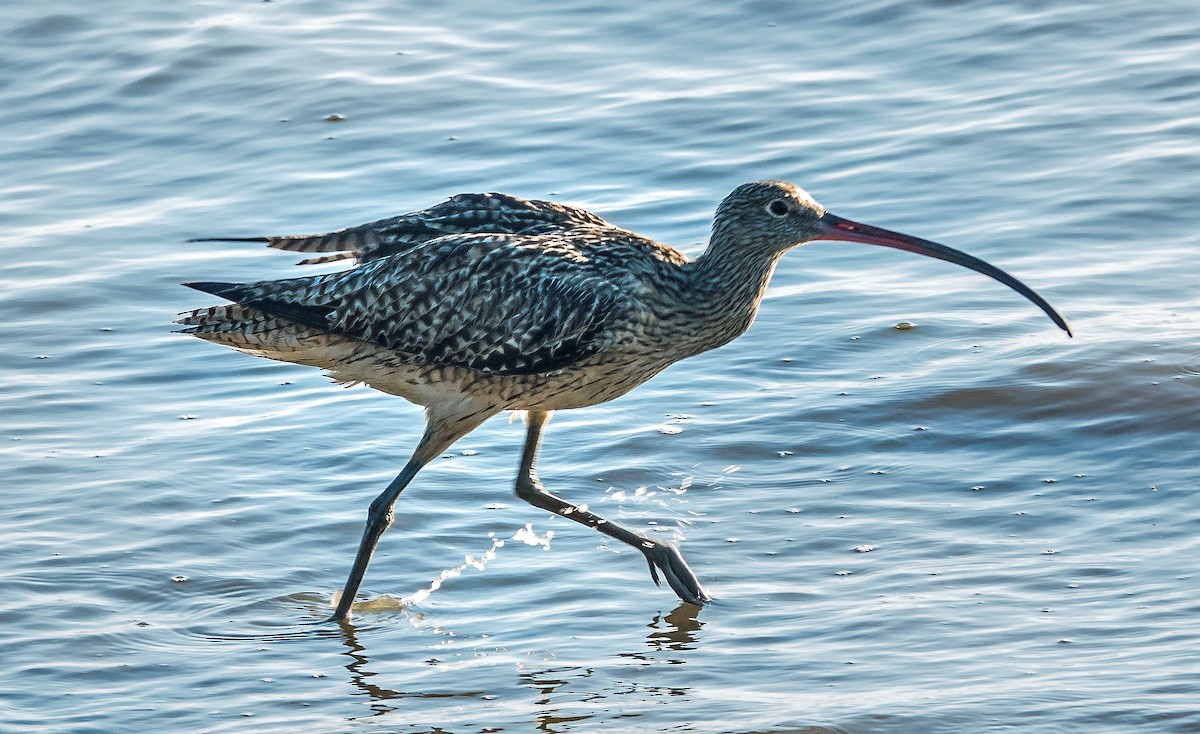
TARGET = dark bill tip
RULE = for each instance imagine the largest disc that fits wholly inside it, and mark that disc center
(834, 227)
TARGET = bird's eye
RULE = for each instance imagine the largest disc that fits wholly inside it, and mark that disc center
(778, 208)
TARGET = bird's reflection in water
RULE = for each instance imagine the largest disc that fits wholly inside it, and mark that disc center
(562, 698)
(564, 694)
(802, 730)
(677, 630)
(551, 702)
(673, 632)
(361, 676)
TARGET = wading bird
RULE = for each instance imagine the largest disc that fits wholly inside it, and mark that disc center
(488, 302)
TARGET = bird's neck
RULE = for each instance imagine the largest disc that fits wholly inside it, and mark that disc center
(727, 286)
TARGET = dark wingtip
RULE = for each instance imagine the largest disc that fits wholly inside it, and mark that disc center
(228, 239)
(227, 291)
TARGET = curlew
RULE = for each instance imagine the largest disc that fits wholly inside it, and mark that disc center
(488, 302)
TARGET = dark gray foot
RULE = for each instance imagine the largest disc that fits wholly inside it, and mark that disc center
(666, 558)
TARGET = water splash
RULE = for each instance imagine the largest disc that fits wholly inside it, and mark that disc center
(526, 535)
(469, 561)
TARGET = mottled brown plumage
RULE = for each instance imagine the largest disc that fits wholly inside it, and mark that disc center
(488, 302)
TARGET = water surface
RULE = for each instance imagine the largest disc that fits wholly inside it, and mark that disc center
(176, 515)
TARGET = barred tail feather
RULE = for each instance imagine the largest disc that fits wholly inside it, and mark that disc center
(344, 244)
(351, 239)
(254, 332)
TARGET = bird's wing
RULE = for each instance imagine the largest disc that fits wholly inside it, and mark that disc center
(501, 304)
(491, 213)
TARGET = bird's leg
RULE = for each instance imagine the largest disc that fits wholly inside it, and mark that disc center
(664, 557)
(379, 517)
(440, 432)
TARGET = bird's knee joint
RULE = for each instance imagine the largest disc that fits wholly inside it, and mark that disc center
(380, 513)
(528, 488)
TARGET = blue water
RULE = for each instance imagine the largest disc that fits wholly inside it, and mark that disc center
(1024, 506)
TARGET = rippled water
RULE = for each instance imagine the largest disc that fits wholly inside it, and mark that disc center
(975, 525)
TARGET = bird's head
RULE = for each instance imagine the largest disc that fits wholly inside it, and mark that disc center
(773, 216)
(770, 217)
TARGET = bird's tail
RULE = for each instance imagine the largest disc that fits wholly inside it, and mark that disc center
(250, 330)
(344, 244)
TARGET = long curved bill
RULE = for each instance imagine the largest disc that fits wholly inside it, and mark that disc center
(834, 227)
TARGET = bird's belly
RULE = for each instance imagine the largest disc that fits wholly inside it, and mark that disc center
(587, 384)
(593, 381)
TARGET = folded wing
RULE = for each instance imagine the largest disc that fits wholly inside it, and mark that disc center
(498, 303)
(490, 213)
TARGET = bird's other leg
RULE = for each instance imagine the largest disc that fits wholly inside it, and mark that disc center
(664, 557)
(441, 430)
